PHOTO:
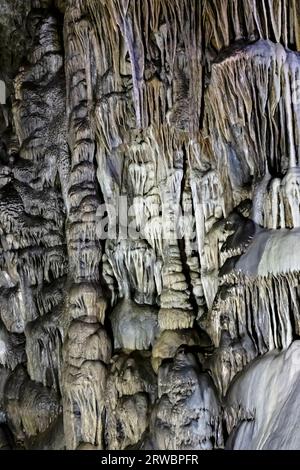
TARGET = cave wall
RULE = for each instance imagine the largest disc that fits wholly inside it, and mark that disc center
(150, 224)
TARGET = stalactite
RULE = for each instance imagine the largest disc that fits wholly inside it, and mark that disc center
(149, 224)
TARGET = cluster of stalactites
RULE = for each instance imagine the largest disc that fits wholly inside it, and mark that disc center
(209, 178)
(227, 21)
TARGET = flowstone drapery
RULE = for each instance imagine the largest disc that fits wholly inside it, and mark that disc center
(150, 224)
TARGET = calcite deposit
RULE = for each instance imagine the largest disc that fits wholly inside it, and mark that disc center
(150, 224)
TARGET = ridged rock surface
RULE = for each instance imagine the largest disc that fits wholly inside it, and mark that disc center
(150, 224)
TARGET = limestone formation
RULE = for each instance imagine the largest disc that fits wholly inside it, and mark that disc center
(149, 224)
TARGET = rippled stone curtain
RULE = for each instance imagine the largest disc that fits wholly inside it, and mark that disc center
(150, 224)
